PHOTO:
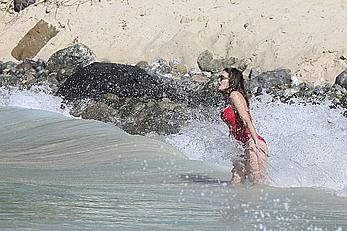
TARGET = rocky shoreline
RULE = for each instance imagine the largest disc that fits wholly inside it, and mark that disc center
(158, 97)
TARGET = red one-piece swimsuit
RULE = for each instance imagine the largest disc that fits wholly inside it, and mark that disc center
(239, 130)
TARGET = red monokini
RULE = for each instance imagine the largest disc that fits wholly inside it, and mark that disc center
(236, 125)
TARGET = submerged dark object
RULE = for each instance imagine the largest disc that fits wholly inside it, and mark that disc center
(97, 79)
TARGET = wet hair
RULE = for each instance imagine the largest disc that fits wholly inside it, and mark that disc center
(236, 82)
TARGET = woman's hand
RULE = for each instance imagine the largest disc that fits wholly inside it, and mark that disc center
(259, 147)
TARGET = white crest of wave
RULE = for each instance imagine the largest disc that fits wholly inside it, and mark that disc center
(38, 97)
(307, 143)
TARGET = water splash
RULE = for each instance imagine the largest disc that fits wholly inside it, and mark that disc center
(38, 97)
(307, 143)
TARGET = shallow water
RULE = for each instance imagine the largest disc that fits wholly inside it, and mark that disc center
(63, 173)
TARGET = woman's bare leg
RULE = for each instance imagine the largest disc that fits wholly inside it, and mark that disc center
(238, 172)
(262, 161)
(256, 162)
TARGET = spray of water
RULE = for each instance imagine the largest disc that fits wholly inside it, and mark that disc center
(307, 143)
(38, 97)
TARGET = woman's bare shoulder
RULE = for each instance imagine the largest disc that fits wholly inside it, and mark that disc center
(237, 98)
(236, 95)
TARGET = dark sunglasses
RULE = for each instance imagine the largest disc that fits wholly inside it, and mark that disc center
(222, 77)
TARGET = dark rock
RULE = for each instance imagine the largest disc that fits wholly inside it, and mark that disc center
(241, 64)
(69, 60)
(341, 79)
(41, 74)
(192, 93)
(8, 80)
(7, 66)
(26, 65)
(9, 75)
(41, 63)
(49, 80)
(340, 89)
(204, 60)
(270, 79)
(345, 114)
(134, 115)
(259, 91)
(143, 103)
(149, 116)
(19, 5)
(34, 40)
(97, 79)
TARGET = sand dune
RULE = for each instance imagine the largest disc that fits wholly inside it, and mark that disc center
(308, 37)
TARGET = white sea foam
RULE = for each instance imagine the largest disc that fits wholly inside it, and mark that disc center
(307, 143)
(38, 97)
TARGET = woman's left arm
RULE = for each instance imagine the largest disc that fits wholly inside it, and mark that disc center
(240, 104)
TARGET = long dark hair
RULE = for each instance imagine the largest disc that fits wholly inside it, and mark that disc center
(236, 82)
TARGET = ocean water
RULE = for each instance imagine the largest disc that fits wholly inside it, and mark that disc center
(63, 173)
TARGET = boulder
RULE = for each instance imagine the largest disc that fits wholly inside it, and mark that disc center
(100, 111)
(206, 62)
(270, 79)
(34, 41)
(180, 69)
(254, 72)
(97, 79)
(142, 64)
(192, 93)
(69, 60)
(143, 117)
(341, 79)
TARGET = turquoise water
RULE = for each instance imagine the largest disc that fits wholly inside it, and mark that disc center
(62, 173)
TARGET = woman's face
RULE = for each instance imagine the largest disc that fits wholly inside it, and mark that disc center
(223, 81)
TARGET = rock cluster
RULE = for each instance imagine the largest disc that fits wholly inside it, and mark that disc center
(25, 74)
(158, 97)
(52, 73)
(281, 85)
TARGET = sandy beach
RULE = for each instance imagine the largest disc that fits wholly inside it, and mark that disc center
(309, 37)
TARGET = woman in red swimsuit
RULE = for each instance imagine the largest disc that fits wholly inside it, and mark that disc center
(252, 166)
